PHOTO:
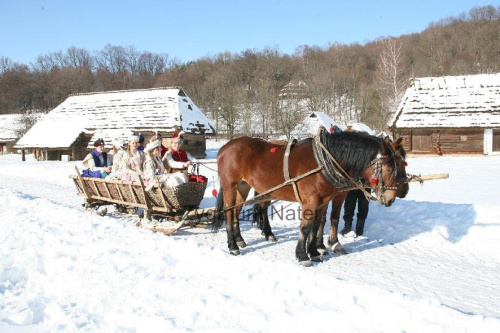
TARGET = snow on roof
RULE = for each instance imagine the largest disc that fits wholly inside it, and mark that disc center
(51, 134)
(9, 125)
(140, 110)
(450, 101)
(310, 125)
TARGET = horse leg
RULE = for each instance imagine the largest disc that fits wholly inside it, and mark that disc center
(229, 202)
(313, 251)
(261, 218)
(308, 219)
(319, 236)
(333, 240)
(241, 195)
(266, 226)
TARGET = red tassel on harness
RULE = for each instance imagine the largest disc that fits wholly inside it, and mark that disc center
(273, 150)
(214, 192)
(406, 164)
(374, 181)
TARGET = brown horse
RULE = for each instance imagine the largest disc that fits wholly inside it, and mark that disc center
(338, 200)
(246, 163)
(261, 218)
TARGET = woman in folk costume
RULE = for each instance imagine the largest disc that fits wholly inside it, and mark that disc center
(132, 160)
(98, 159)
(153, 169)
(119, 151)
(178, 159)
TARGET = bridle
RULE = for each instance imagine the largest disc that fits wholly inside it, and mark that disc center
(377, 178)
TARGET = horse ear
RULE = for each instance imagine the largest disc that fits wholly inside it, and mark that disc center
(387, 143)
(399, 141)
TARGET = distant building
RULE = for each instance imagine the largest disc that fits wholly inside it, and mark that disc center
(451, 114)
(295, 97)
(309, 126)
(11, 125)
(69, 130)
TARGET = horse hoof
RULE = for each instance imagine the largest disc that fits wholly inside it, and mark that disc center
(306, 263)
(338, 248)
(317, 258)
(241, 244)
(271, 238)
(323, 251)
(235, 252)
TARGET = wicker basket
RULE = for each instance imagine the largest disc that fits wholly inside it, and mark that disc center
(185, 196)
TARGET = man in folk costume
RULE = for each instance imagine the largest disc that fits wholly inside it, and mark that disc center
(98, 160)
(178, 159)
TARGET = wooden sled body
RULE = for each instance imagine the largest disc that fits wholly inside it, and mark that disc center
(178, 204)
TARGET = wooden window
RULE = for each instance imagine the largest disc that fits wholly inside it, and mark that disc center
(421, 143)
(496, 140)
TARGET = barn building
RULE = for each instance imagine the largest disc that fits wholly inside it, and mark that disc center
(68, 131)
(450, 115)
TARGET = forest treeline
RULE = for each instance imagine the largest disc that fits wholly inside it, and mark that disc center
(261, 92)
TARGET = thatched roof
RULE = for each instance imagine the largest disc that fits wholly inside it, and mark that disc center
(450, 102)
(159, 109)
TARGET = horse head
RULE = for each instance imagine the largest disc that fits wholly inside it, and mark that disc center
(401, 177)
(382, 173)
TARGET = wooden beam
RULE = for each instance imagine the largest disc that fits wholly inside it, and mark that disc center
(84, 186)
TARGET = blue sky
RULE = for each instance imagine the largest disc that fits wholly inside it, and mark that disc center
(190, 29)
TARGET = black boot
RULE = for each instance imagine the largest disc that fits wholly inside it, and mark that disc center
(347, 227)
(360, 226)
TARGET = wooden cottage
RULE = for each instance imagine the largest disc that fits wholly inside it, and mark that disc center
(10, 124)
(11, 127)
(450, 115)
(69, 130)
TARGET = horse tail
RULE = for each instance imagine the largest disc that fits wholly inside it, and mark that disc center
(219, 213)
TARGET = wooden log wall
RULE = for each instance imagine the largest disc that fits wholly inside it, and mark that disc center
(444, 141)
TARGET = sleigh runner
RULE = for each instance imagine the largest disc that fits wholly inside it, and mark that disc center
(179, 203)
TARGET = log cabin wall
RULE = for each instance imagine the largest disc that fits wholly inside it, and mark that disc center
(443, 141)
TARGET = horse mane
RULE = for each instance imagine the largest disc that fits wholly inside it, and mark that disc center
(353, 150)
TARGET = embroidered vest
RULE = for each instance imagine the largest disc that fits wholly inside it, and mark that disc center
(179, 156)
(97, 161)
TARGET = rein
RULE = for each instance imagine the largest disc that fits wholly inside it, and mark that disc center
(277, 187)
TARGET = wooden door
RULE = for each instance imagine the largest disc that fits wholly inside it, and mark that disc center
(496, 140)
(421, 143)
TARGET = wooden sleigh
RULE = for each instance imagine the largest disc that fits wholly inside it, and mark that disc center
(179, 204)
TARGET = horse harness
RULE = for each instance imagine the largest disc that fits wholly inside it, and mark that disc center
(286, 172)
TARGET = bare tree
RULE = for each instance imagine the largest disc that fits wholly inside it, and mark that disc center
(391, 70)
(26, 121)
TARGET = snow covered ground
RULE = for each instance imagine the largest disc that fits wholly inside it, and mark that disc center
(429, 263)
